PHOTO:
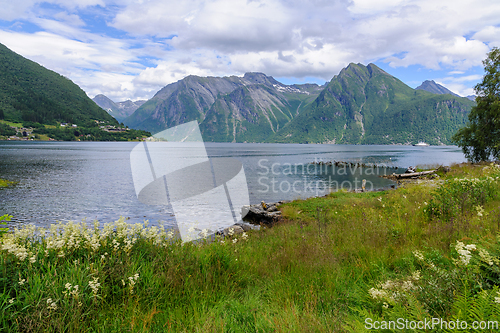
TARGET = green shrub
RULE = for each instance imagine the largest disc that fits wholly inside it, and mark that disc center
(3, 220)
(459, 197)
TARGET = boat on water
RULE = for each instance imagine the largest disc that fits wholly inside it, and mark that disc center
(421, 144)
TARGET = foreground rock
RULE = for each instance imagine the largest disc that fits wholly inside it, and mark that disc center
(263, 213)
(233, 230)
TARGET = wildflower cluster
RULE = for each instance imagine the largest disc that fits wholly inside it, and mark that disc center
(62, 240)
(195, 233)
(487, 258)
(423, 261)
(51, 305)
(231, 234)
(71, 290)
(458, 196)
(395, 291)
(465, 253)
(94, 285)
(131, 283)
(10, 245)
(432, 283)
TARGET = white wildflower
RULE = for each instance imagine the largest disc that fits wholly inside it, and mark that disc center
(51, 305)
(388, 285)
(235, 240)
(131, 282)
(170, 234)
(480, 210)
(418, 255)
(11, 300)
(486, 257)
(407, 285)
(116, 245)
(470, 247)
(378, 294)
(465, 254)
(94, 285)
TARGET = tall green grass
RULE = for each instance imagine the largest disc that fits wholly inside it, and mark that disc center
(328, 265)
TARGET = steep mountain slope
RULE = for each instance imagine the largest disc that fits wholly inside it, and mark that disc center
(226, 107)
(249, 114)
(119, 110)
(30, 92)
(435, 88)
(365, 105)
(185, 100)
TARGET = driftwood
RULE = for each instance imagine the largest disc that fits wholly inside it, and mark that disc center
(412, 174)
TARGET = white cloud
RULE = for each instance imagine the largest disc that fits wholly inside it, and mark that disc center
(460, 84)
(489, 34)
(12, 10)
(293, 38)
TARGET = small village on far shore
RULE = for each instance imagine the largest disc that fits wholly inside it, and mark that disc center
(30, 133)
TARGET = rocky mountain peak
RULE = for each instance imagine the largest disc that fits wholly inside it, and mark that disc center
(435, 88)
(259, 78)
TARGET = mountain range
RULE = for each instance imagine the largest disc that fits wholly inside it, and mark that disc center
(229, 109)
(360, 105)
(118, 110)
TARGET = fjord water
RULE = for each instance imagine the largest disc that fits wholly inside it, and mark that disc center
(61, 181)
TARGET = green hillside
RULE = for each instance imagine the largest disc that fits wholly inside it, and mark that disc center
(365, 105)
(30, 92)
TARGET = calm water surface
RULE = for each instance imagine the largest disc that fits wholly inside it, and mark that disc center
(92, 180)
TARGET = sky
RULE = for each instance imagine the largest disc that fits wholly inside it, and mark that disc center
(129, 49)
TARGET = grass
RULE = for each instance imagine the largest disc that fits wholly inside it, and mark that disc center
(330, 264)
(11, 123)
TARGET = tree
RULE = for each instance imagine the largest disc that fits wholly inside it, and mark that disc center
(480, 139)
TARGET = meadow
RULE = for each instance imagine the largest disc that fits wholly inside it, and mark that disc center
(428, 249)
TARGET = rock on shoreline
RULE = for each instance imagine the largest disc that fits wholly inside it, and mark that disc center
(263, 213)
